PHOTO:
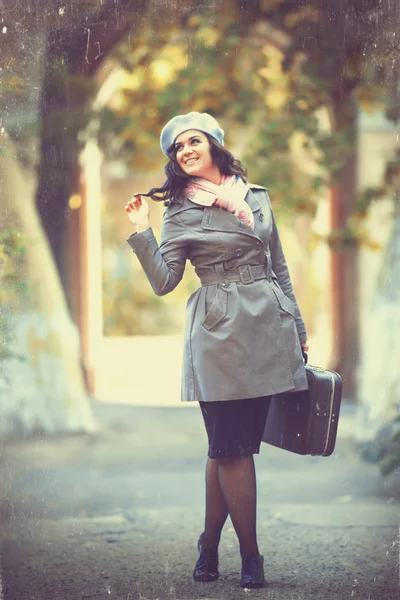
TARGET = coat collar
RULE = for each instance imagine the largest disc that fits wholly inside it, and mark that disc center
(251, 198)
(183, 203)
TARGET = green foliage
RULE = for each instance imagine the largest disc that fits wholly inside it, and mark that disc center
(385, 452)
(247, 67)
(12, 285)
(287, 110)
(129, 305)
(354, 232)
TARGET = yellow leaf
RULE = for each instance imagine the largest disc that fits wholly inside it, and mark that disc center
(302, 104)
(372, 244)
(297, 141)
(138, 53)
(276, 97)
(266, 73)
(75, 201)
(208, 35)
(317, 154)
(194, 20)
(162, 72)
(273, 69)
(132, 81)
(176, 54)
(273, 53)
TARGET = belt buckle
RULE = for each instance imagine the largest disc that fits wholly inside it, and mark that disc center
(246, 274)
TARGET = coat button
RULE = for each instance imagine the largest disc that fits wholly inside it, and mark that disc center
(261, 216)
(225, 283)
(238, 252)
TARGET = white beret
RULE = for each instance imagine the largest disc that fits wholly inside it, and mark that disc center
(193, 120)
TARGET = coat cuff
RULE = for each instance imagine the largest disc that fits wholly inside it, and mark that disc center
(303, 337)
(138, 240)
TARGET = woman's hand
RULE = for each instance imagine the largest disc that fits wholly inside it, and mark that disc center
(138, 213)
(305, 346)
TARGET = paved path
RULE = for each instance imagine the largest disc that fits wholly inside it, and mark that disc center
(117, 515)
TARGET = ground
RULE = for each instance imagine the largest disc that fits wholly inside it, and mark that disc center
(117, 515)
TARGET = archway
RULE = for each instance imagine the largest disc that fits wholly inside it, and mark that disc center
(74, 274)
(131, 364)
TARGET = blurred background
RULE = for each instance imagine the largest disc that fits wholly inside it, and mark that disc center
(308, 95)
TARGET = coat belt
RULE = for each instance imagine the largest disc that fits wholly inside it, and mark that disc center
(246, 274)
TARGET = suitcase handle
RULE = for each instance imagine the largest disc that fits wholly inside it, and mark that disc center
(305, 355)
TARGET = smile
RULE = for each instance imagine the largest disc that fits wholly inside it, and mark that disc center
(190, 161)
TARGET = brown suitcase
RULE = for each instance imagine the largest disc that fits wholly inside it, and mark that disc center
(306, 422)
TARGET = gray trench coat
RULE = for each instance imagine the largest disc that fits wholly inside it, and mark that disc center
(243, 326)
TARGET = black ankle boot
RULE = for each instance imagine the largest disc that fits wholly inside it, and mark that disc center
(206, 568)
(252, 570)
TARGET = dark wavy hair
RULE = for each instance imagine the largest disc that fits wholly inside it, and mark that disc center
(177, 179)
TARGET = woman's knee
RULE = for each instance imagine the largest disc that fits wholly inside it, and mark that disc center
(234, 461)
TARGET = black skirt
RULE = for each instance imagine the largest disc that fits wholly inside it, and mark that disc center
(235, 427)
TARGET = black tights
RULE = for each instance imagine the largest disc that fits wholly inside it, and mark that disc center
(231, 489)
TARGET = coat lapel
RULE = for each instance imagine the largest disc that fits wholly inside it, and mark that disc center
(218, 219)
(252, 201)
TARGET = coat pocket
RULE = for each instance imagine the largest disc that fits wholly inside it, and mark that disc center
(284, 302)
(217, 310)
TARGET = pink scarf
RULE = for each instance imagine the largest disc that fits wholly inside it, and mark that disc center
(230, 195)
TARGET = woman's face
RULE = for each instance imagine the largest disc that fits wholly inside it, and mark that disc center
(193, 154)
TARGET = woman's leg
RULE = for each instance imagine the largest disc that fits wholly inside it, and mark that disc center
(231, 482)
(237, 479)
(216, 509)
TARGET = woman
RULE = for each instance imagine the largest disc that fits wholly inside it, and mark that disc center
(244, 331)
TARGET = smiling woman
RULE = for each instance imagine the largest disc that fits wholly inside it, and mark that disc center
(178, 172)
(193, 154)
(244, 330)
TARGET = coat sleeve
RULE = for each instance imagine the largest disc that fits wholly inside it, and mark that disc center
(281, 271)
(163, 264)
